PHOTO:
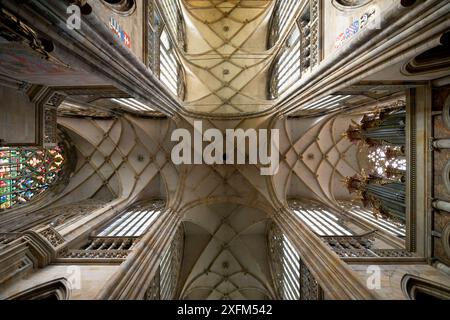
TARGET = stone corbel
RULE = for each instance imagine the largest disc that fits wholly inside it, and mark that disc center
(45, 244)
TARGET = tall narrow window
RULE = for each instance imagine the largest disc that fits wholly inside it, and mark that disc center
(28, 172)
(284, 12)
(300, 51)
(285, 265)
(292, 278)
(133, 222)
(162, 58)
(320, 220)
(170, 266)
(175, 22)
(288, 66)
(116, 240)
(286, 69)
(168, 72)
(395, 228)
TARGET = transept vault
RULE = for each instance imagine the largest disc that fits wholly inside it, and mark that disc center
(94, 206)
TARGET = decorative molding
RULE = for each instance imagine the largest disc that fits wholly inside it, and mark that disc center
(107, 249)
(309, 287)
(445, 238)
(15, 259)
(153, 291)
(57, 288)
(392, 253)
(412, 286)
(96, 254)
(13, 29)
(50, 116)
(6, 238)
(52, 236)
(411, 173)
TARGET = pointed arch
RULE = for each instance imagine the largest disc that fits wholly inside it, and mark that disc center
(57, 289)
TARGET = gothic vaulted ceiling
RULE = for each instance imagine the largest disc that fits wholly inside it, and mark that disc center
(226, 56)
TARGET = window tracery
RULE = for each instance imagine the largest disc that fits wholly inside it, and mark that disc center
(164, 284)
(387, 161)
(133, 222)
(162, 58)
(300, 52)
(293, 280)
(393, 227)
(170, 266)
(26, 173)
(285, 265)
(284, 11)
(116, 240)
(175, 21)
(322, 221)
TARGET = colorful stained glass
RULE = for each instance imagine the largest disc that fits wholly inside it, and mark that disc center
(27, 172)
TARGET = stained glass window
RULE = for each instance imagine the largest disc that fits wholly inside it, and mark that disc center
(27, 172)
(386, 161)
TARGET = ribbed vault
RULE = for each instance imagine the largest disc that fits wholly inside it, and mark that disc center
(316, 157)
(226, 57)
(225, 253)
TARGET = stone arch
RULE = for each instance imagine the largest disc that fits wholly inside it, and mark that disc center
(57, 289)
(416, 288)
